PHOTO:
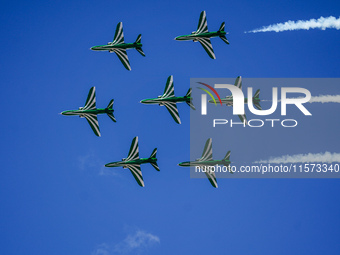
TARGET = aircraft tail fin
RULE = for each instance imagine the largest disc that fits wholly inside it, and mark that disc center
(190, 102)
(258, 106)
(257, 102)
(110, 105)
(227, 156)
(139, 38)
(257, 94)
(222, 26)
(191, 105)
(111, 117)
(224, 39)
(188, 94)
(155, 166)
(110, 114)
(139, 49)
(153, 155)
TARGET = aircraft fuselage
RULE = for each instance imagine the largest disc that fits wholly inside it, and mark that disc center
(132, 162)
(81, 112)
(229, 101)
(201, 35)
(111, 47)
(205, 163)
(160, 100)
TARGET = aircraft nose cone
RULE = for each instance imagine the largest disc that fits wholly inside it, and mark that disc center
(180, 38)
(183, 164)
(66, 113)
(145, 101)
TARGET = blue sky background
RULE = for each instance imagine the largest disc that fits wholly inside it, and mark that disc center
(55, 195)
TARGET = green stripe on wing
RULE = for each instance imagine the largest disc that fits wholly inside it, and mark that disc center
(172, 108)
(122, 55)
(93, 121)
(137, 173)
(206, 43)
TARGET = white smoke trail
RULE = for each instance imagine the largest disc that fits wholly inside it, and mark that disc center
(326, 157)
(317, 99)
(325, 99)
(321, 23)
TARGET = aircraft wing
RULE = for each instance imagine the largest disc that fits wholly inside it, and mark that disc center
(207, 151)
(243, 118)
(212, 178)
(134, 150)
(238, 82)
(206, 43)
(202, 24)
(137, 173)
(123, 57)
(93, 121)
(90, 103)
(169, 87)
(172, 108)
(119, 35)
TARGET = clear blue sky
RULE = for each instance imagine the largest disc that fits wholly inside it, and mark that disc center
(55, 195)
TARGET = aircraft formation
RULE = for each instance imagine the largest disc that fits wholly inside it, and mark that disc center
(133, 162)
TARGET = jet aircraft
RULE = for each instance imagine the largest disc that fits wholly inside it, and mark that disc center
(203, 36)
(119, 47)
(207, 160)
(228, 100)
(89, 111)
(169, 100)
(133, 162)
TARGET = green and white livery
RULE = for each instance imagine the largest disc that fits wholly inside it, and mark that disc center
(119, 47)
(203, 36)
(207, 160)
(89, 111)
(228, 100)
(169, 100)
(133, 162)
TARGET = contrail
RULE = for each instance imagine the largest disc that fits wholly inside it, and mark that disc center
(321, 23)
(325, 99)
(318, 99)
(326, 157)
